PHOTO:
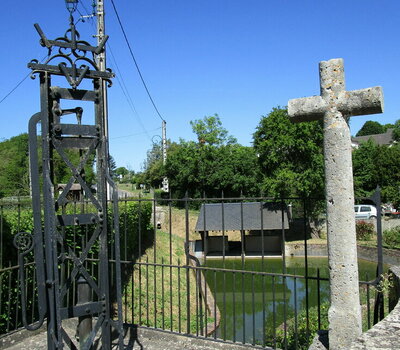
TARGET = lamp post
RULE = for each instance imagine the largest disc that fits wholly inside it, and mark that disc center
(71, 5)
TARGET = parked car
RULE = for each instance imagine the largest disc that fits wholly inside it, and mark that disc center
(365, 211)
(388, 209)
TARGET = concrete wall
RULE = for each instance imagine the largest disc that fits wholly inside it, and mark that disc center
(272, 244)
(312, 250)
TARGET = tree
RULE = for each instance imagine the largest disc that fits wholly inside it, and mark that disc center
(112, 166)
(290, 156)
(209, 131)
(375, 165)
(153, 168)
(388, 126)
(214, 164)
(204, 169)
(371, 128)
(123, 174)
(396, 131)
(364, 168)
(14, 166)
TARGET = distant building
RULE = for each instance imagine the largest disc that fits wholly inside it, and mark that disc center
(74, 193)
(260, 226)
(385, 139)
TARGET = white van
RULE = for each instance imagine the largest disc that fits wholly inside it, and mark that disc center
(365, 211)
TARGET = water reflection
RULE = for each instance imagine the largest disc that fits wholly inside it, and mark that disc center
(251, 303)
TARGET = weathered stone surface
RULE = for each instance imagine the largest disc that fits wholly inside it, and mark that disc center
(320, 341)
(334, 106)
(135, 338)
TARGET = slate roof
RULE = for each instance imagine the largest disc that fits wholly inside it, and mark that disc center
(380, 139)
(272, 216)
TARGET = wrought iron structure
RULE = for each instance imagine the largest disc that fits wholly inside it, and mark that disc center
(76, 247)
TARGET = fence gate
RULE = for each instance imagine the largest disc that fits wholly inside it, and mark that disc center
(75, 246)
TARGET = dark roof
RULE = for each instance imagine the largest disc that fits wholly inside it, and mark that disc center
(212, 213)
(380, 139)
(74, 187)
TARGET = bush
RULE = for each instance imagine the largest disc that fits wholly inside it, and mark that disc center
(391, 238)
(304, 336)
(134, 220)
(364, 230)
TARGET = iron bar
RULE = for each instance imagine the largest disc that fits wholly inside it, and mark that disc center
(162, 293)
(306, 269)
(234, 305)
(179, 296)
(253, 308)
(319, 299)
(296, 337)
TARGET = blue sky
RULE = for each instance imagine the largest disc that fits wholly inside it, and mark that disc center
(236, 58)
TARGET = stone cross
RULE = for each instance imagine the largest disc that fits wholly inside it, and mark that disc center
(334, 107)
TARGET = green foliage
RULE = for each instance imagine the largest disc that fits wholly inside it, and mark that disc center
(298, 337)
(396, 131)
(364, 230)
(391, 238)
(134, 220)
(371, 128)
(209, 131)
(121, 171)
(214, 164)
(375, 165)
(290, 156)
(14, 174)
(14, 167)
(386, 283)
(209, 169)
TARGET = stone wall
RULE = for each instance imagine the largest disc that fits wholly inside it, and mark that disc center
(384, 335)
(390, 256)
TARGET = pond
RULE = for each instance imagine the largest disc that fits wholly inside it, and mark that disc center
(250, 303)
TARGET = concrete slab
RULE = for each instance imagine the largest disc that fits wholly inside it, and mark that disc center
(135, 338)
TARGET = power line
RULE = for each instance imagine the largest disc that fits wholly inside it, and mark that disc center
(19, 83)
(134, 60)
(138, 133)
(121, 81)
(125, 91)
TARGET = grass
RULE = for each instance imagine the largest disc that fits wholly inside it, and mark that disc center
(135, 193)
(156, 295)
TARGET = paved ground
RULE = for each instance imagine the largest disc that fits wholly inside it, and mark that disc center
(142, 338)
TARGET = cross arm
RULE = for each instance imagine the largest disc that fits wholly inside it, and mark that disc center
(306, 109)
(361, 102)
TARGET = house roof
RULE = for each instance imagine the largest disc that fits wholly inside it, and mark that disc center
(380, 139)
(210, 217)
(74, 187)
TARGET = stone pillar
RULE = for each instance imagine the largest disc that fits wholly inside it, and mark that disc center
(334, 106)
(345, 312)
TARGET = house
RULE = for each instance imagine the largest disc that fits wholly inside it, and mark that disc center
(74, 193)
(380, 139)
(260, 226)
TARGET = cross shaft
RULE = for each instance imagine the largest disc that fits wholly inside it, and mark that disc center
(334, 106)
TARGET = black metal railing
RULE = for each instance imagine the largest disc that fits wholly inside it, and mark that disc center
(203, 281)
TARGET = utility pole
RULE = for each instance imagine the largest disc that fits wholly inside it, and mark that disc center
(165, 184)
(101, 61)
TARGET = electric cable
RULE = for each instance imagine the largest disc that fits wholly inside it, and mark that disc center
(130, 135)
(19, 83)
(125, 91)
(121, 83)
(134, 60)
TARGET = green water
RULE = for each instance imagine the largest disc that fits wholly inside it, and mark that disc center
(250, 303)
